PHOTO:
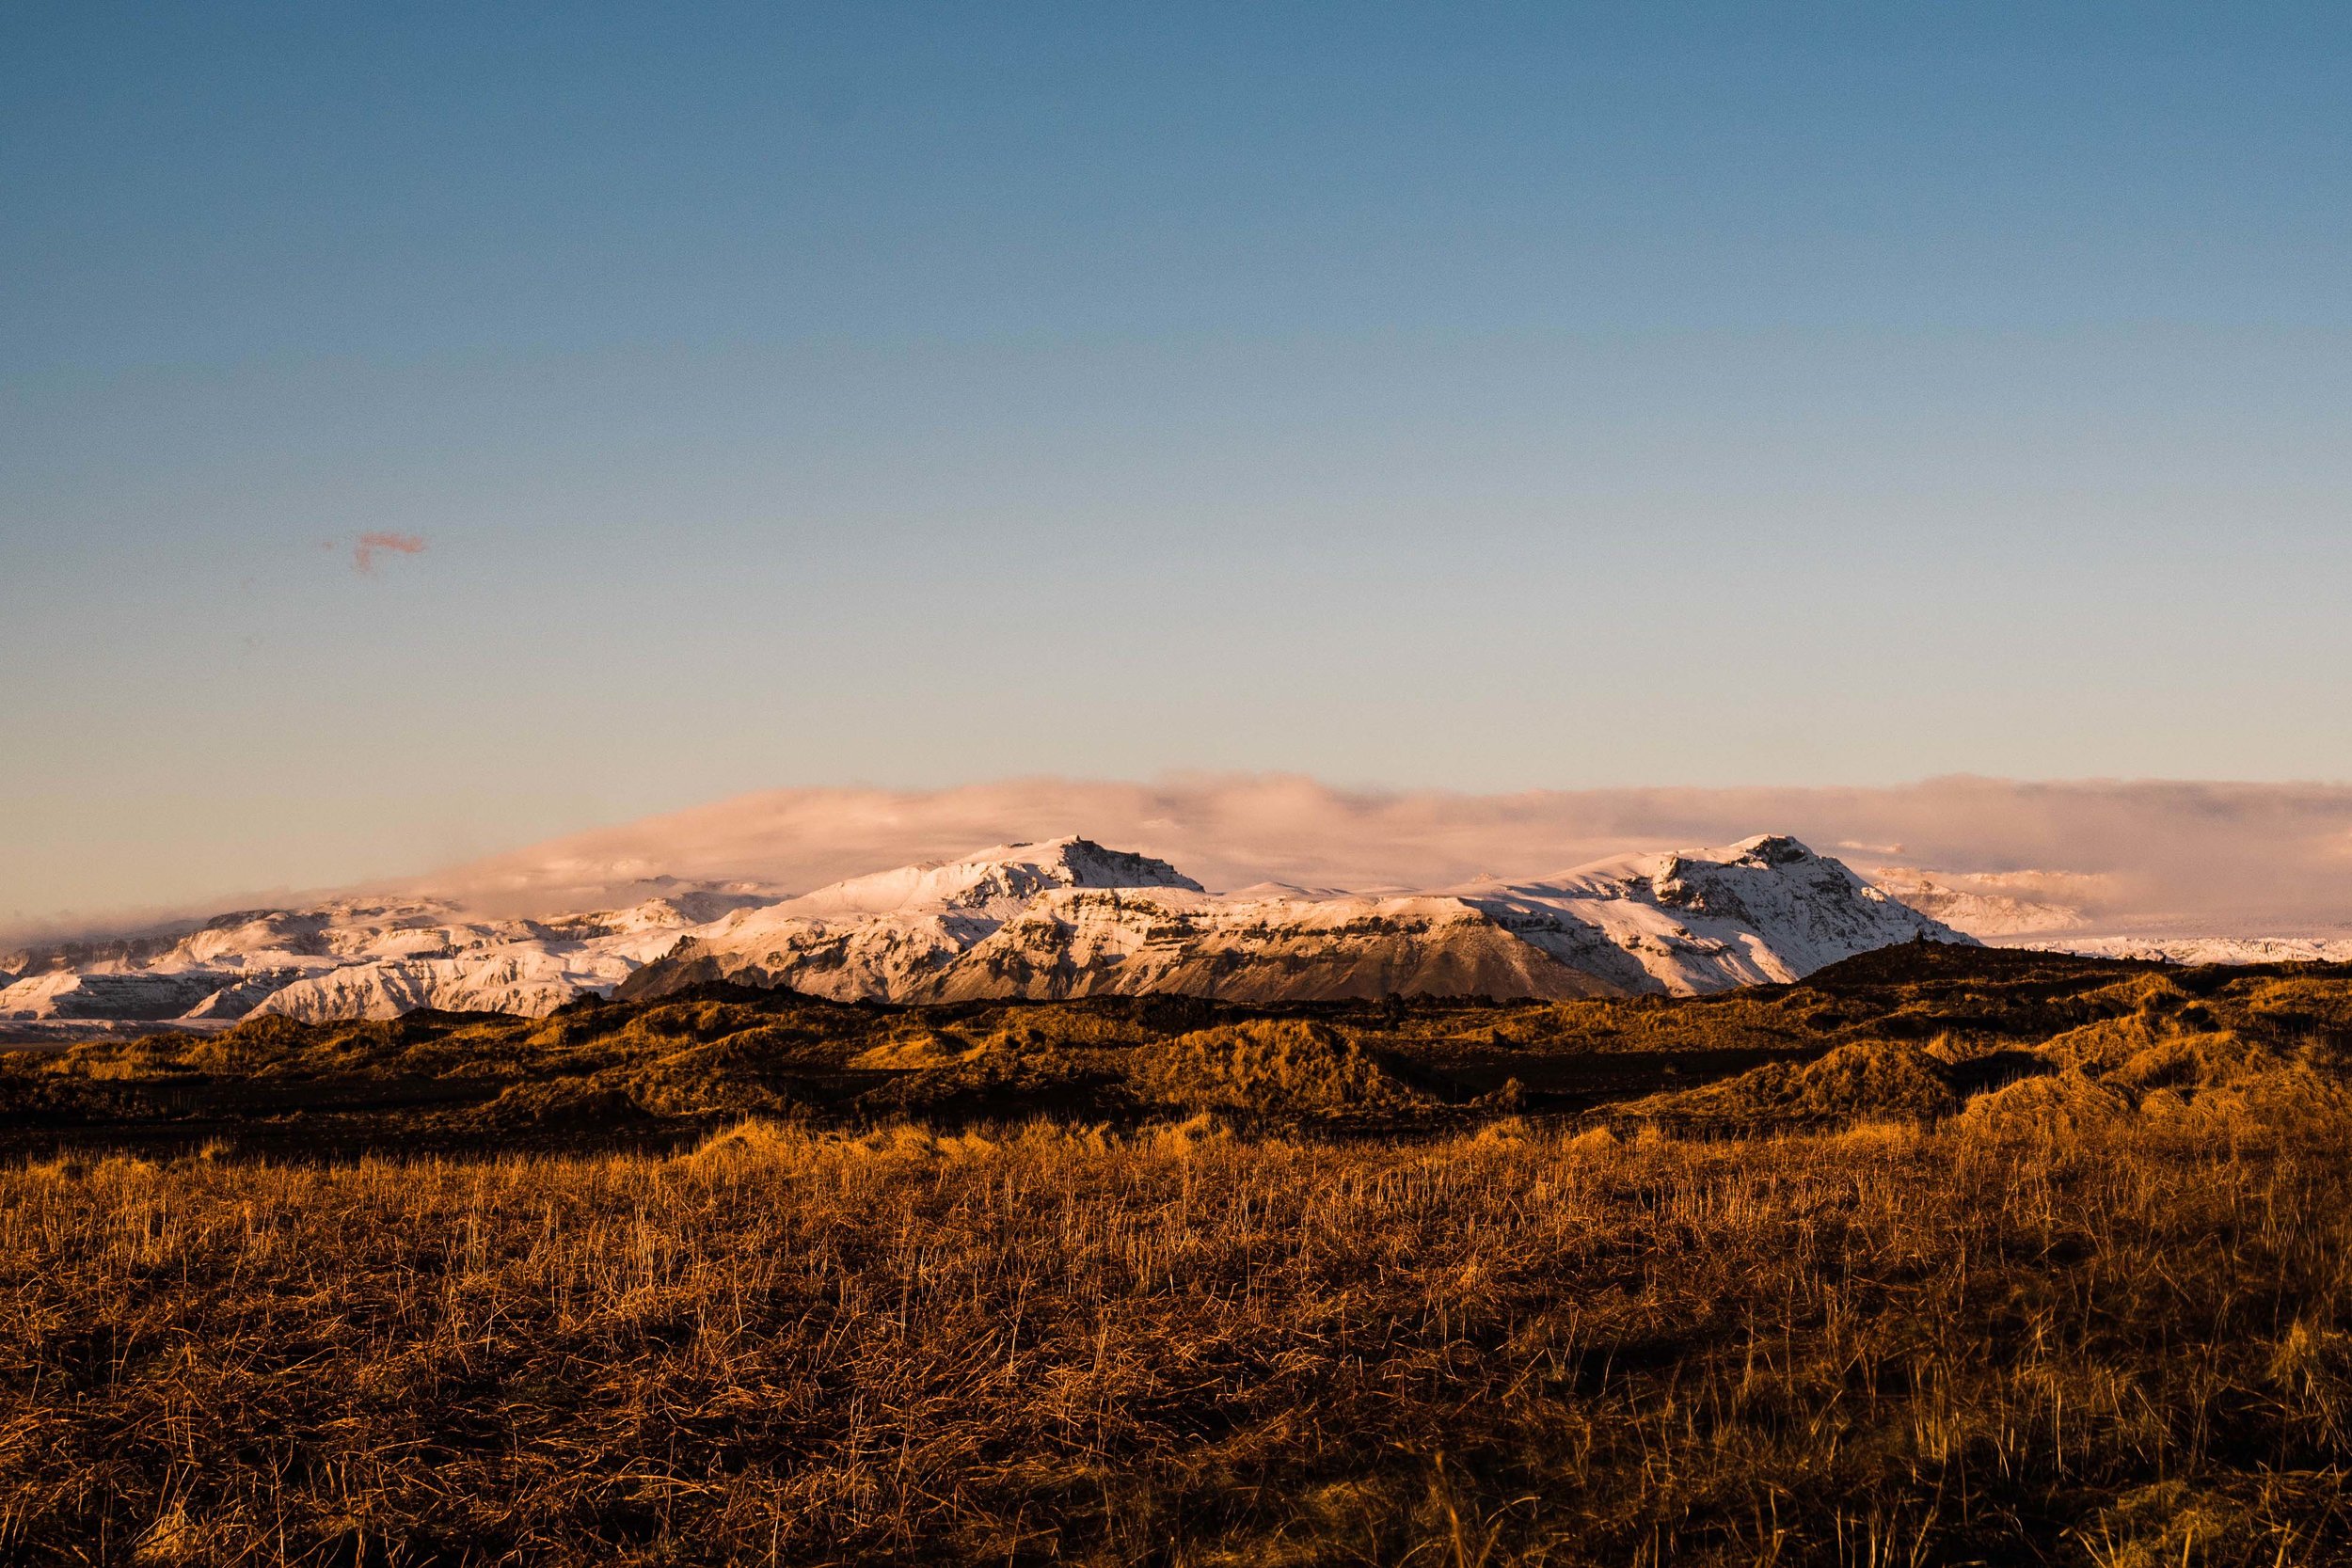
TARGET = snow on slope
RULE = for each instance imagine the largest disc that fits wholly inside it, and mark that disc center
(63, 993)
(1764, 910)
(516, 979)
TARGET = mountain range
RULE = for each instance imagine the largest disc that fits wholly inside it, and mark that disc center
(1064, 917)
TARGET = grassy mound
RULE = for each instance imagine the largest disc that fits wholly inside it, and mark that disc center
(1284, 1068)
(1875, 1081)
(2055, 1105)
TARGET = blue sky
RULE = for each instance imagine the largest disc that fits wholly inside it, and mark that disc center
(1486, 398)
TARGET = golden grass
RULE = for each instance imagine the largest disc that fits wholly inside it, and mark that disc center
(2122, 1340)
(1942, 1257)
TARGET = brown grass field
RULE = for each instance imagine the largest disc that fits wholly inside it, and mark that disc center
(2048, 1270)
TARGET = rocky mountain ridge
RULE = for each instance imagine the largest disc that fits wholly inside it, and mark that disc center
(1767, 908)
(1066, 917)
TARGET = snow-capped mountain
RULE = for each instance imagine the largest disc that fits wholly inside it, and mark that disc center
(1764, 910)
(1063, 918)
(1088, 921)
(879, 936)
(354, 959)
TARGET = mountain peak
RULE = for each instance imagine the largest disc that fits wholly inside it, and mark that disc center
(989, 881)
(1774, 849)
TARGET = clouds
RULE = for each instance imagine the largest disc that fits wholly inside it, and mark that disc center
(369, 545)
(2141, 857)
(2235, 857)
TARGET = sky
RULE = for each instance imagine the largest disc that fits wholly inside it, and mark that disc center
(427, 430)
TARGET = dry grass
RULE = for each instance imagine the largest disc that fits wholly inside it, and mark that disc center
(2124, 1342)
(1939, 1257)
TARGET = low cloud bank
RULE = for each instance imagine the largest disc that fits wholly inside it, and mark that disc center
(2253, 859)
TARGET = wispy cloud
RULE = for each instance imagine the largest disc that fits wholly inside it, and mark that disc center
(364, 552)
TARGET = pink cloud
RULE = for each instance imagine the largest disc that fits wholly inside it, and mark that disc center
(2133, 856)
(363, 553)
(2242, 856)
